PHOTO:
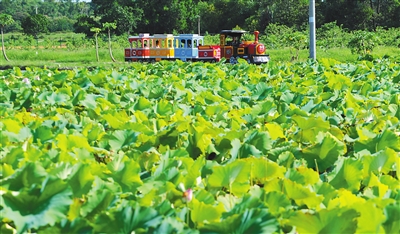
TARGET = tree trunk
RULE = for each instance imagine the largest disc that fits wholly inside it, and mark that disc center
(2, 45)
(97, 48)
(109, 46)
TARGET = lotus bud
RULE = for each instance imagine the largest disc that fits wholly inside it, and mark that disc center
(26, 81)
(188, 195)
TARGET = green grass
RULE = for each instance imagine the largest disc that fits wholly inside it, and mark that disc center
(339, 54)
(63, 57)
(59, 57)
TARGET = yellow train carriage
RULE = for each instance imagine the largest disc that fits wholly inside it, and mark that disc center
(162, 47)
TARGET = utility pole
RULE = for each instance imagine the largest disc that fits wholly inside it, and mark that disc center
(198, 24)
(313, 52)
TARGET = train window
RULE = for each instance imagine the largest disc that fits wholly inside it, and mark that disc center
(169, 43)
(195, 43)
(157, 44)
(134, 44)
(145, 44)
(189, 43)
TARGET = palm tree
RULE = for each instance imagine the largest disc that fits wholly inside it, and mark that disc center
(4, 20)
(110, 26)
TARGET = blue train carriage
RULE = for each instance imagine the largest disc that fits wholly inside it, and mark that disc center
(186, 46)
(139, 48)
(162, 47)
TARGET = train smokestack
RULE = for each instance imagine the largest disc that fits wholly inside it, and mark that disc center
(256, 36)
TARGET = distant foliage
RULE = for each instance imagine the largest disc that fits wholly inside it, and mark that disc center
(363, 43)
(331, 35)
(35, 25)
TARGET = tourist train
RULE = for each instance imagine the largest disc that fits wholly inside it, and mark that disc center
(190, 47)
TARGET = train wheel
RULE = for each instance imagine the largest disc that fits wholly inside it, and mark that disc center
(232, 60)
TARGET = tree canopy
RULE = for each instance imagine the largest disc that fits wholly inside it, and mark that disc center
(35, 24)
(169, 16)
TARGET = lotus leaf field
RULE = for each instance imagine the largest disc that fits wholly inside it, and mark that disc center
(173, 147)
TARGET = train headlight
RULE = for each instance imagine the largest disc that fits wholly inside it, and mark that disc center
(260, 48)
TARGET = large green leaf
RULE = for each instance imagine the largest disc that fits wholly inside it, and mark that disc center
(127, 218)
(325, 221)
(249, 221)
(36, 201)
(387, 139)
(233, 176)
(325, 152)
(347, 174)
(121, 138)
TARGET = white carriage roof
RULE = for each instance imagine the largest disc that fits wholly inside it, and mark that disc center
(162, 35)
(196, 36)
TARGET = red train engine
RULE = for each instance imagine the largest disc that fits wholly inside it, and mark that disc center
(233, 48)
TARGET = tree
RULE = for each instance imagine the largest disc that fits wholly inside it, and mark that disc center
(96, 32)
(4, 20)
(125, 14)
(84, 24)
(35, 24)
(110, 26)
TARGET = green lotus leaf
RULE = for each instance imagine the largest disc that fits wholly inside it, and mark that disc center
(194, 172)
(128, 175)
(121, 138)
(69, 142)
(12, 125)
(347, 174)
(387, 139)
(249, 221)
(90, 101)
(98, 199)
(13, 157)
(325, 152)
(98, 78)
(57, 99)
(40, 200)
(380, 162)
(302, 175)
(43, 133)
(261, 169)
(392, 222)
(234, 176)
(60, 78)
(277, 202)
(127, 219)
(301, 195)
(201, 212)
(77, 225)
(142, 103)
(339, 220)
(164, 108)
(326, 190)
(81, 179)
(337, 81)
(310, 127)
(255, 144)
(371, 218)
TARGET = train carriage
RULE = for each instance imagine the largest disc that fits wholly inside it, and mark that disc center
(186, 46)
(162, 47)
(139, 48)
